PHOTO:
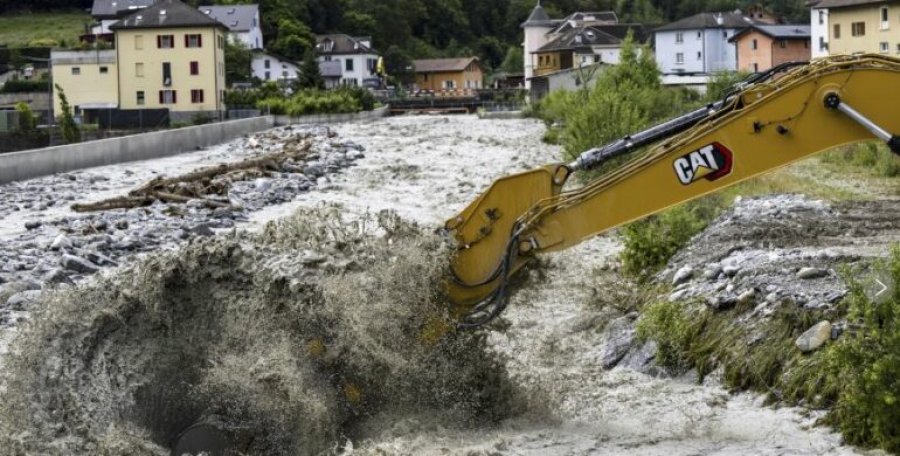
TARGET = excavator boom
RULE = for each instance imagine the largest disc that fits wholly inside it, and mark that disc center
(774, 119)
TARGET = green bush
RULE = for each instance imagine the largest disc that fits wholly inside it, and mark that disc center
(22, 86)
(651, 242)
(274, 106)
(875, 157)
(27, 119)
(867, 362)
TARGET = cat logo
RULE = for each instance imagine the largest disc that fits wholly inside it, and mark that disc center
(710, 162)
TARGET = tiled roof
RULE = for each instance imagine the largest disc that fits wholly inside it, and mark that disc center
(709, 20)
(846, 3)
(443, 65)
(238, 18)
(781, 32)
(166, 14)
(339, 43)
(538, 18)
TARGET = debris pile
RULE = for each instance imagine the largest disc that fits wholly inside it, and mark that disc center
(283, 339)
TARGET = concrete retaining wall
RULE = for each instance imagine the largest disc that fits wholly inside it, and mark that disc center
(376, 113)
(28, 164)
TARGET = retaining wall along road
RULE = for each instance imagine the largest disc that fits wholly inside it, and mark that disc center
(376, 113)
(28, 164)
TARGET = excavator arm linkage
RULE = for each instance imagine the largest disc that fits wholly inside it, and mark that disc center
(768, 123)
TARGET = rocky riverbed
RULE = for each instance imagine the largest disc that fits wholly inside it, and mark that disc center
(47, 245)
(568, 339)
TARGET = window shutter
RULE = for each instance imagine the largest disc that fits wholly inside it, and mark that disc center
(160, 97)
(187, 41)
(174, 96)
(159, 41)
(199, 40)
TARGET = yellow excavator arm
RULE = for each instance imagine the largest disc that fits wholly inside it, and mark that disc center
(774, 119)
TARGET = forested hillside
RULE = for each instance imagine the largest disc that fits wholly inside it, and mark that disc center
(404, 29)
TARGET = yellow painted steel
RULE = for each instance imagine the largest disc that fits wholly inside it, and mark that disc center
(767, 126)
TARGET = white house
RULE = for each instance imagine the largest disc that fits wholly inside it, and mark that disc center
(108, 12)
(818, 21)
(355, 55)
(271, 67)
(699, 44)
(242, 21)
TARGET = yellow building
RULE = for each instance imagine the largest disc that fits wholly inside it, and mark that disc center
(172, 56)
(89, 79)
(448, 74)
(863, 26)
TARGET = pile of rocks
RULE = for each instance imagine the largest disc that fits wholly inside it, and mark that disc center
(55, 251)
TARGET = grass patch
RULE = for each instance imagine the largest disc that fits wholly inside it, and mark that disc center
(26, 29)
(857, 377)
(872, 157)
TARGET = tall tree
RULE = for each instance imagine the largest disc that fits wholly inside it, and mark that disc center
(310, 76)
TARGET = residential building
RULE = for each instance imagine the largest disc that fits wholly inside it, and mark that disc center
(172, 56)
(271, 67)
(863, 26)
(89, 79)
(818, 22)
(331, 72)
(582, 38)
(357, 58)
(699, 44)
(448, 74)
(243, 23)
(761, 47)
(108, 12)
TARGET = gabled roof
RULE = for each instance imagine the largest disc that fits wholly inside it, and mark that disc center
(339, 43)
(107, 9)
(280, 58)
(779, 32)
(587, 37)
(238, 18)
(734, 20)
(443, 65)
(845, 3)
(538, 18)
(587, 18)
(166, 14)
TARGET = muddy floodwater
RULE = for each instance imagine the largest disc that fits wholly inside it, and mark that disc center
(538, 386)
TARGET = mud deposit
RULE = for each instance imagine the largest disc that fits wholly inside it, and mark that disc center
(287, 339)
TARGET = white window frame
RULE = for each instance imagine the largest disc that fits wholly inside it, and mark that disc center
(885, 18)
(679, 37)
(679, 58)
(884, 47)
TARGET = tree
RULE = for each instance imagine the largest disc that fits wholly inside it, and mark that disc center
(27, 119)
(16, 62)
(294, 40)
(238, 60)
(514, 60)
(67, 124)
(310, 76)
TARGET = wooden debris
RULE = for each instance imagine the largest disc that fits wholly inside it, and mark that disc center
(203, 183)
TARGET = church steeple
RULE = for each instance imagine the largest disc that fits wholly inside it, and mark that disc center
(538, 17)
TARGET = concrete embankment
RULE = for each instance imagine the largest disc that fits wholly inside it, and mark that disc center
(28, 164)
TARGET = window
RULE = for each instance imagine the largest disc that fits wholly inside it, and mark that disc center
(884, 47)
(76, 71)
(139, 70)
(679, 37)
(724, 33)
(699, 34)
(858, 29)
(165, 41)
(898, 48)
(167, 74)
(138, 42)
(193, 41)
(821, 17)
(348, 64)
(268, 76)
(756, 68)
(754, 44)
(140, 98)
(168, 97)
(699, 55)
(805, 44)
(884, 18)
(267, 64)
(197, 96)
(451, 84)
(679, 58)
(822, 44)
(837, 31)
(782, 44)
(195, 68)
(104, 70)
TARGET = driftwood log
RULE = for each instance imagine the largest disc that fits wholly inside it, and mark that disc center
(204, 183)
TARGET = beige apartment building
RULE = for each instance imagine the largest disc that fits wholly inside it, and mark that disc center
(863, 26)
(167, 56)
